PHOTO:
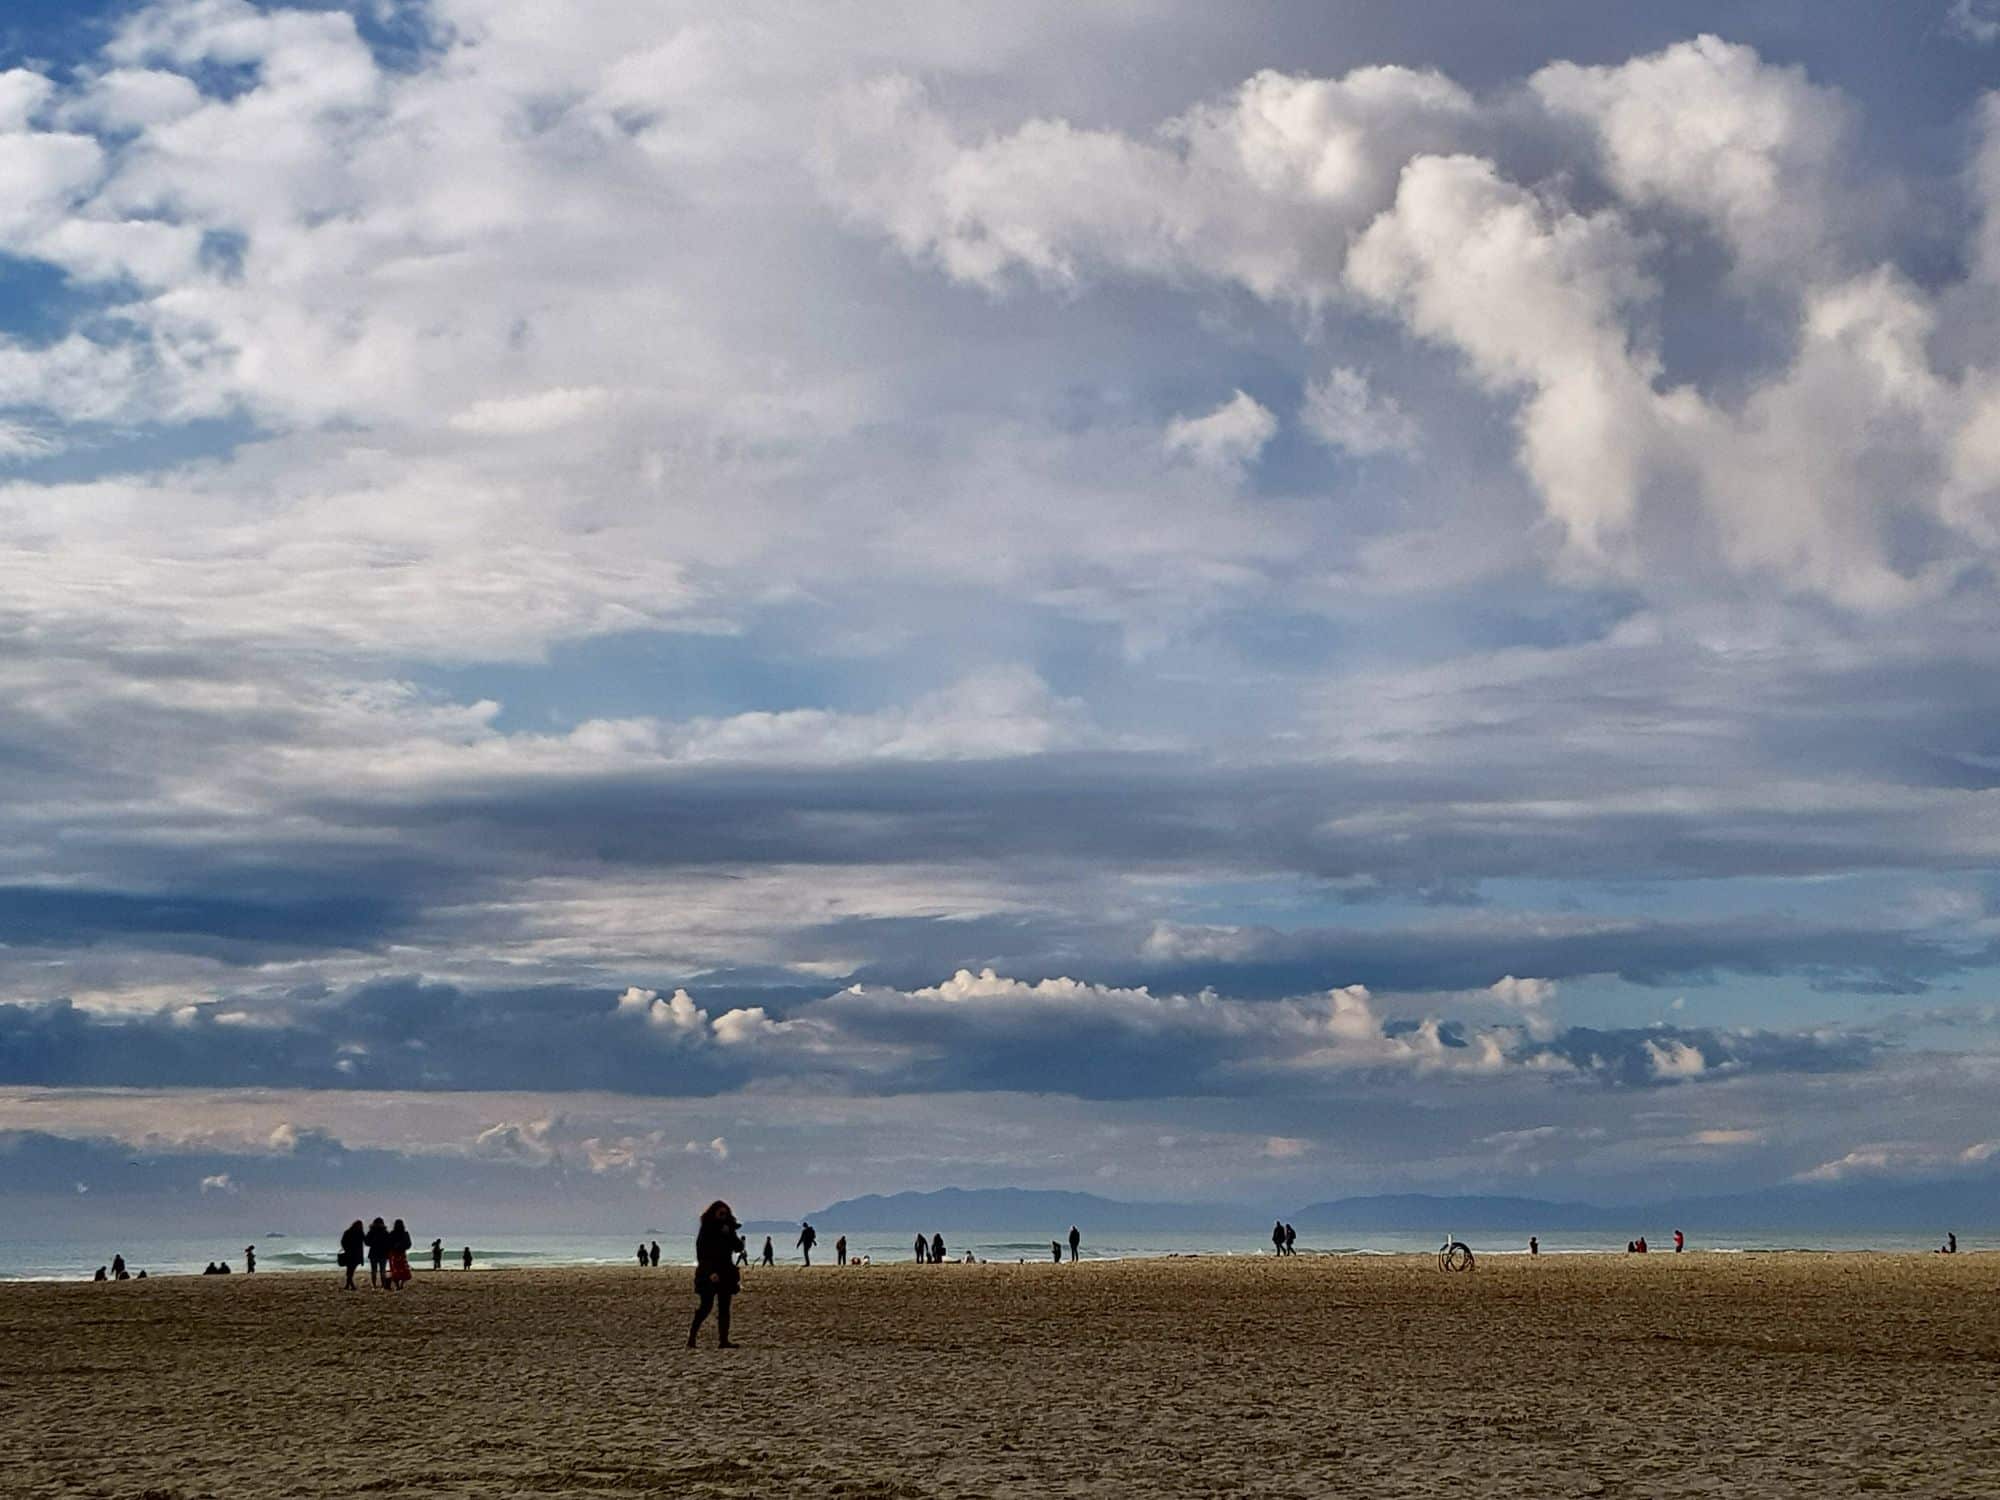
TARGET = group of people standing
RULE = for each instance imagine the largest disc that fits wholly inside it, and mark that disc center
(385, 1248)
(1283, 1237)
(1075, 1240)
(649, 1255)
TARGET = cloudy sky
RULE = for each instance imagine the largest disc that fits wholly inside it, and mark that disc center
(1256, 602)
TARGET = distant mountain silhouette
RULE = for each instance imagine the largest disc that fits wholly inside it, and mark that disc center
(1859, 1207)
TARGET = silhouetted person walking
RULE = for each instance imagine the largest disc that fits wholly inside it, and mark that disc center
(1291, 1236)
(923, 1249)
(249, 1258)
(770, 1252)
(437, 1255)
(808, 1237)
(377, 1241)
(653, 1254)
(117, 1268)
(397, 1275)
(937, 1249)
(1075, 1239)
(840, 1251)
(352, 1242)
(715, 1275)
(1278, 1238)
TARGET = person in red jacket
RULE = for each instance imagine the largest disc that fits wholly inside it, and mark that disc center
(1680, 1242)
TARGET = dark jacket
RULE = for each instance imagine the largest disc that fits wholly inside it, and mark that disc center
(399, 1241)
(377, 1241)
(350, 1246)
(715, 1248)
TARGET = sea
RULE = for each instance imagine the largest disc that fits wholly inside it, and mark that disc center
(302, 1252)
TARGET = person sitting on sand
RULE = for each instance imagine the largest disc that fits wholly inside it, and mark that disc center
(465, 1259)
(352, 1242)
(770, 1253)
(437, 1255)
(937, 1249)
(716, 1278)
(840, 1251)
(222, 1268)
(654, 1253)
(808, 1237)
(103, 1275)
(1642, 1244)
(398, 1274)
(140, 1277)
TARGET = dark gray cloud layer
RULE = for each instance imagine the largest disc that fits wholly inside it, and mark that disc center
(405, 1035)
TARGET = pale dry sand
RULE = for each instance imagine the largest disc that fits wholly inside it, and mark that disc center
(1689, 1375)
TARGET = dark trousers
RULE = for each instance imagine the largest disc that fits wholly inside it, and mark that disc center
(720, 1302)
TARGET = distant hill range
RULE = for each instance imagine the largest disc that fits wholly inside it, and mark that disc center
(1830, 1208)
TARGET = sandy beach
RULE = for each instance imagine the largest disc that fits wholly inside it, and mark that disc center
(1689, 1375)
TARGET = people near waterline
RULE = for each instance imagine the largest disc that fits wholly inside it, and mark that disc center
(840, 1251)
(352, 1242)
(1075, 1239)
(1278, 1238)
(140, 1277)
(1055, 1249)
(1631, 1247)
(103, 1275)
(437, 1255)
(642, 1257)
(653, 1252)
(465, 1262)
(1680, 1242)
(117, 1268)
(937, 1249)
(1534, 1245)
(924, 1249)
(399, 1257)
(716, 1278)
(249, 1258)
(1950, 1245)
(808, 1237)
(377, 1243)
(743, 1250)
(1291, 1238)
(770, 1252)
